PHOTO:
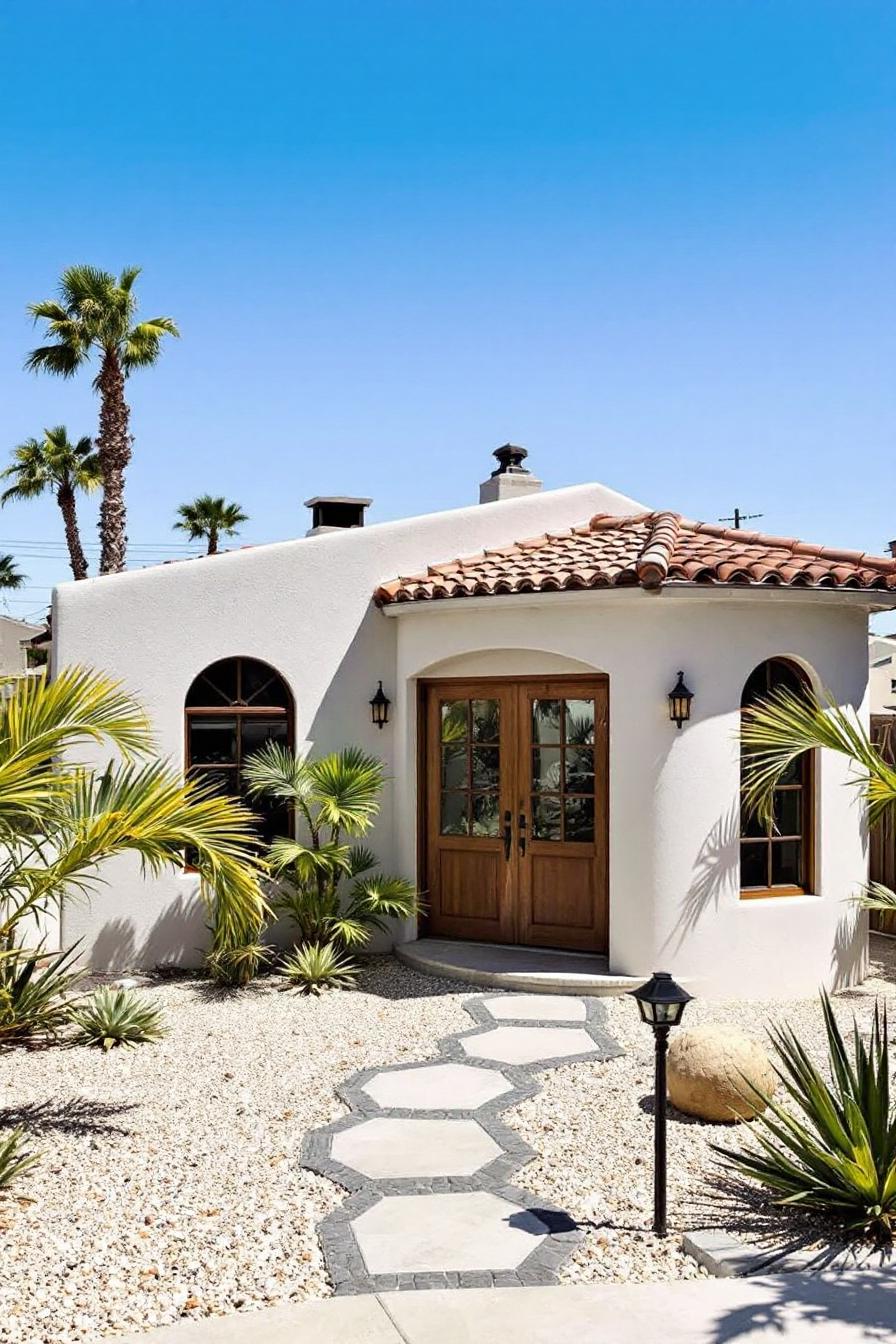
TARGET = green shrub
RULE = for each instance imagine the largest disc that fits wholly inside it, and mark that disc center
(117, 1017)
(233, 967)
(34, 990)
(336, 797)
(316, 966)
(833, 1148)
(13, 1162)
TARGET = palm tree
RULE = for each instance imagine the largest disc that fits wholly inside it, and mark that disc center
(9, 575)
(212, 517)
(55, 463)
(95, 314)
(778, 730)
(59, 820)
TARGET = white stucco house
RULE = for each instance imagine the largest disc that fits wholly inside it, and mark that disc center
(538, 788)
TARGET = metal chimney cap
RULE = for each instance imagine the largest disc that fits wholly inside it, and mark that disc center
(510, 459)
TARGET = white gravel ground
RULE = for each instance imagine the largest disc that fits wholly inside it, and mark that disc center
(169, 1182)
(596, 1141)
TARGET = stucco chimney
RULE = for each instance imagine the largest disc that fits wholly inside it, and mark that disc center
(332, 513)
(510, 480)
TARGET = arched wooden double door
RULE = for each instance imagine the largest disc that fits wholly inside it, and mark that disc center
(514, 812)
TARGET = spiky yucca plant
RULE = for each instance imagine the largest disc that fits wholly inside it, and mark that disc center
(13, 1161)
(113, 1017)
(830, 1145)
(35, 992)
(316, 966)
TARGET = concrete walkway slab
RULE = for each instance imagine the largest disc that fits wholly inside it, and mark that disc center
(844, 1308)
(436, 1087)
(535, 1008)
(528, 1045)
(451, 1233)
(388, 1149)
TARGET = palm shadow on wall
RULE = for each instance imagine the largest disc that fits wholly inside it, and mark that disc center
(715, 874)
(177, 937)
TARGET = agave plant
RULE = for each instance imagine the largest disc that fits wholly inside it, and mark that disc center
(329, 888)
(113, 1017)
(35, 992)
(831, 1146)
(13, 1161)
(316, 966)
(776, 731)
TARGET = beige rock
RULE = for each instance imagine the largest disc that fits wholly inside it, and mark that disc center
(707, 1068)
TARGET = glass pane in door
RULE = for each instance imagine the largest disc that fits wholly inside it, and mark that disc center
(470, 764)
(561, 770)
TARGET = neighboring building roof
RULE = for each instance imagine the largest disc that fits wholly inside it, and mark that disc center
(27, 627)
(646, 550)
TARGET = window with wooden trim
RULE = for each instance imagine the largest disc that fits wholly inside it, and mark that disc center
(232, 708)
(776, 855)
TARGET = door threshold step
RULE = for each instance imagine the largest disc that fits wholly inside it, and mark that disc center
(536, 970)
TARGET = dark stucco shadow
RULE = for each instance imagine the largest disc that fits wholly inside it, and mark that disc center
(715, 870)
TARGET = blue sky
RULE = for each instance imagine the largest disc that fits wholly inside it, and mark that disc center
(651, 241)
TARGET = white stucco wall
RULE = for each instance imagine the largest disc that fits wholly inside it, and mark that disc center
(674, 866)
(304, 607)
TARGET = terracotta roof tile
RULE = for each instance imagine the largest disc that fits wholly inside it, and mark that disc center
(646, 550)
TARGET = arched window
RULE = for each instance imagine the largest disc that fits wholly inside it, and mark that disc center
(776, 857)
(232, 709)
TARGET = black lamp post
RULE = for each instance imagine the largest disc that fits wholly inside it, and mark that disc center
(379, 707)
(661, 1003)
(680, 702)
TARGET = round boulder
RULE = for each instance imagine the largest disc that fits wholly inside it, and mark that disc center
(707, 1068)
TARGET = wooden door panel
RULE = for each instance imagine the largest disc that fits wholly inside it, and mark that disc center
(562, 892)
(470, 885)
(469, 780)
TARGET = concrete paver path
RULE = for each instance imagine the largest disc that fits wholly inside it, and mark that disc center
(429, 1162)
(846, 1308)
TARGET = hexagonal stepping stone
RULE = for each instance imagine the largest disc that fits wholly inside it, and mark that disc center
(536, 1008)
(451, 1233)
(436, 1087)
(527, 1045)
(388, 1148)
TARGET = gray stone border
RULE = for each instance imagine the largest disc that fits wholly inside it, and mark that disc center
(342, 1256)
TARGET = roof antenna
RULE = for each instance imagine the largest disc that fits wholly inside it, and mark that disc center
(737, 518)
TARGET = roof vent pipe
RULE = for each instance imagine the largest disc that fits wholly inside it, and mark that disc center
(333, 513)
(510, 480)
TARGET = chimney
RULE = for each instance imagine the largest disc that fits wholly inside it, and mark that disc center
(892, 546)
(332, 513)
(510, 480)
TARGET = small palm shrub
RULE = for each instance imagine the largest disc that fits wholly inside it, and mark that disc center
(13, 1161)
(316, 966)
(833, 1148)
(113, 1017)
(328, 888)
(34, 993)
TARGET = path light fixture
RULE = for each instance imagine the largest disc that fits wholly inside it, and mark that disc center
(661, 1003)
(680, 702)
(379, 707)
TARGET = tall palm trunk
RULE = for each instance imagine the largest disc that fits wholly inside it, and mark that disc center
(65, 498)
(212, 541)
(114, 447)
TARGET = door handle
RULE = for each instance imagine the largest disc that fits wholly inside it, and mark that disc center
(522, 841)
(508, 836)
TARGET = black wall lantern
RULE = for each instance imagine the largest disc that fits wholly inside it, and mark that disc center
(661, 1003)
(680, 702)
(379, 707)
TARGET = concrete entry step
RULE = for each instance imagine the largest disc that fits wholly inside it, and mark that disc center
(499, 966)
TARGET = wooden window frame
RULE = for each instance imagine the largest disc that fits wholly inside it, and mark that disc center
(240, 711)
(806, 837)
